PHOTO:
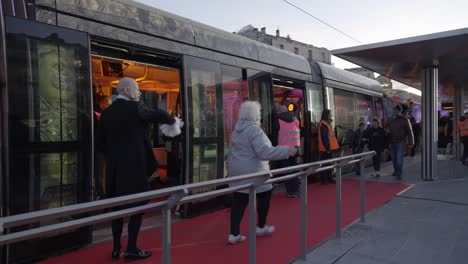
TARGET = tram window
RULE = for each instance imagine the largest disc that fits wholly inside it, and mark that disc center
(315, 102)
(204, 103)
(364, 112)
(344, 112)
(235, 92)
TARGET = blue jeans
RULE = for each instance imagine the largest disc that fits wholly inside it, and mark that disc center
(397, 158)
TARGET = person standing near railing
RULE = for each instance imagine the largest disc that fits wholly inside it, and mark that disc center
(327, 143)
(249, 152)
(123, 138)
(376, 139)
(359, 141)
(400, 133)
(289, 134)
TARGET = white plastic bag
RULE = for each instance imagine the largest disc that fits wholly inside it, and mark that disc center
(172, 130)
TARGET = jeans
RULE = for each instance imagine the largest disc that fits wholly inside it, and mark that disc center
(397, 158)
(239, 203)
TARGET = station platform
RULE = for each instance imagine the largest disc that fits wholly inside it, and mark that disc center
(425, 224)
(203, 239)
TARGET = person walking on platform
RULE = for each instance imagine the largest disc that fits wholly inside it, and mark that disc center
(289, 135)
(359, 141)
(463, 126)
(376, 139)
(400, 134)
(327, 143)
(123, 138)
(249, 152)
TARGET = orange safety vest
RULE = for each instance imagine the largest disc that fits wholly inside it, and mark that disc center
(463, 126)
(289, 133)
(331, 137)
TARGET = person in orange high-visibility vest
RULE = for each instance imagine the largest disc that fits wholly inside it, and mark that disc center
(327, 143)
(463, 126)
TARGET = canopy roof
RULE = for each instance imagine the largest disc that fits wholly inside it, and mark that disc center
(403, 59)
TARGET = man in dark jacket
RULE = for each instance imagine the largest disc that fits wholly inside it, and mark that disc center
(400, 134)
(123, 137)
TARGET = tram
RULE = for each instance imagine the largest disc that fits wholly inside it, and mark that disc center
(61, 61)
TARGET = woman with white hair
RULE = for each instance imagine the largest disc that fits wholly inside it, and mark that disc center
(250, 152)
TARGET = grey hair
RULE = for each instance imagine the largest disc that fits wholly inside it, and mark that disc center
(250, 111)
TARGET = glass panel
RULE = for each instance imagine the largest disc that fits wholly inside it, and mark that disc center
(204, 103)
(204, 164)
(315, 102)
(315, 106)
(58, 179)
(48, 113)
(345, 113)
(53, 77)
(363, 110)
(260, 90)
(235, 92)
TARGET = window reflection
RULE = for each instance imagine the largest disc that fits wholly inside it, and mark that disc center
(204, 103)
(315, 106)
(364, 111)
(235, 92)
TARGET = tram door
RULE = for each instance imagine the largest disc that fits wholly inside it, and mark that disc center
(260, 84)
(205, 115)
(289, 95)
(49, 150)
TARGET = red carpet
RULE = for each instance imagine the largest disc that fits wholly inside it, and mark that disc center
(203, 239)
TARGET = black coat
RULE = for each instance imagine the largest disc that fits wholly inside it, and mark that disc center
(123, 137)
(376, 138)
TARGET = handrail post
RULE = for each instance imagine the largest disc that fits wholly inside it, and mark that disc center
(304, 218)
(338, 201)
(166, 224)
(166, 235)
(363, 190)
(252, 225)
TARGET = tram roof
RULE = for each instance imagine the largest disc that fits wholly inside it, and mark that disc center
(403, 59)
(347, 80)
(157, 22)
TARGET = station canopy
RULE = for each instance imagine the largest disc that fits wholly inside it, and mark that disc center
(404, 59)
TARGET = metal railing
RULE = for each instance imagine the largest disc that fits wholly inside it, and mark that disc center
(181, 195)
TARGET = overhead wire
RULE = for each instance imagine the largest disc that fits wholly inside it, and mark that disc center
(320, 20)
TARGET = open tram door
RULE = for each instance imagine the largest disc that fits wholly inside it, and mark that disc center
(47, 130)
(289, 95)
(158, 76)
(260, 84)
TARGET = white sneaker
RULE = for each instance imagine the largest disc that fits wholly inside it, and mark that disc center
(235, 239)
(266, 230)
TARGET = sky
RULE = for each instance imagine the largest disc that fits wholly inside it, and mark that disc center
(367, 21)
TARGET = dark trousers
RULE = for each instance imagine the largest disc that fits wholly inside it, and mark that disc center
(326, 175)
(133, 228)
(464, 140)
(376, 160)
(292, 185)
(239, 203)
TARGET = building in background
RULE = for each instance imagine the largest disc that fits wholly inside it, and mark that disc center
(310, 52)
